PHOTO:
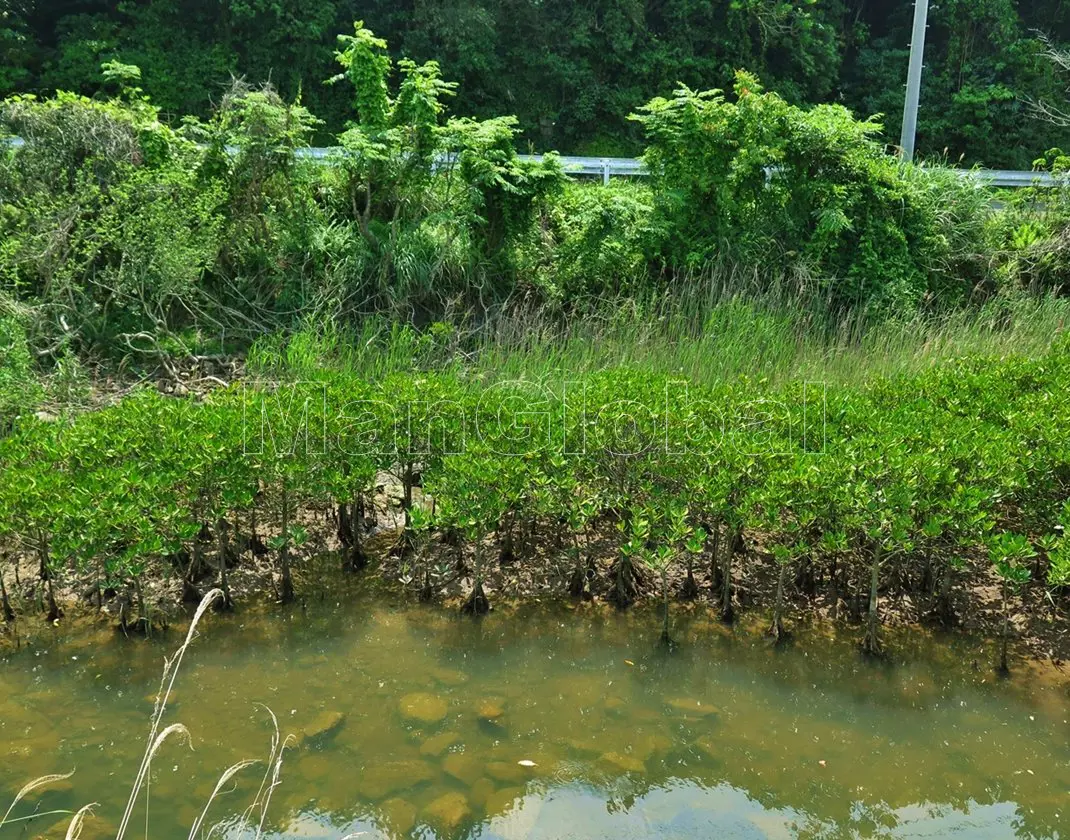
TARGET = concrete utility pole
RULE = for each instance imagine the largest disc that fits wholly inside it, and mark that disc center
(917, 60)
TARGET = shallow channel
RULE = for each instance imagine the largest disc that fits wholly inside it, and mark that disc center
(413, 722)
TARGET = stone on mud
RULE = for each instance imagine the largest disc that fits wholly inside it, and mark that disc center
(449, 677)
(502, 801)
(480, 791)
(507, 773)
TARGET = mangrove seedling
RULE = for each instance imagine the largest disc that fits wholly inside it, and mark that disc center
(1008, 552)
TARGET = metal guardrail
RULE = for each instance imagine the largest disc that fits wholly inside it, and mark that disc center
(617, 167)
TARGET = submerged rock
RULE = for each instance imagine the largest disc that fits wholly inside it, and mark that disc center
(504, 771)
(449, 677)
(647, 745)
(481, 790)
(399, 815)
(464, 768)
(448, 811)
(436, 745)
(589, 748)
(421, 707)
(490, 709)
(503, 801)
(315, 767)
(616, 706)
(380, 781)
(709, 746)
(689, 707)
(622, 762)
(321, 728)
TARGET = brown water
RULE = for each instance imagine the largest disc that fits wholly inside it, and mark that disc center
(425, 716)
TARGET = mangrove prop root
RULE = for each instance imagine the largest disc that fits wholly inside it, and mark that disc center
(477, 602)
(689, 589)
(627, 583)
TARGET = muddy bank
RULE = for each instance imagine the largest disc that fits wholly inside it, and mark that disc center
(538, 567)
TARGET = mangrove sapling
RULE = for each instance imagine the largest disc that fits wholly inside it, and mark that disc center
(476, 603)
(735, 546)
(222, 557)
(785, 559)
(660, 560)
(625, 571)
(417, 567)
(871, 643)
(695, 546)
(579, 521)
(1009, 552)
(715, 560)
(48, 576)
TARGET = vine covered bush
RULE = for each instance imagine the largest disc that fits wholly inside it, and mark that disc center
(755, 180)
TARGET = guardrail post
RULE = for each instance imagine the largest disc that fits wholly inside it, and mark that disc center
(605, 172)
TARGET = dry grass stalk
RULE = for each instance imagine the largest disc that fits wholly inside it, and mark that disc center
(30, 787)
(170, 672)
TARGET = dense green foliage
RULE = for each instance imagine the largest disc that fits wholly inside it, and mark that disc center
(118, 231)
(573, 72)
(899, 480)
(122, 233)
(768, 184)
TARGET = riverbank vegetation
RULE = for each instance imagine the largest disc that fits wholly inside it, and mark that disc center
(594, 486)
(786, 366)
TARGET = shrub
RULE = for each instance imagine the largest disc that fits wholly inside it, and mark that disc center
(766, 183)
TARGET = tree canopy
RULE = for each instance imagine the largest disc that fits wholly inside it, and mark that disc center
(573, 71)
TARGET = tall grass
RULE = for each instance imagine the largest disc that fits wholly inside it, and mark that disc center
(707, 332)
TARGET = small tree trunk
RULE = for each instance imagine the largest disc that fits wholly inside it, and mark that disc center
(777, 631)
(689, 589)
(286, 588)
(728, 614)
(5, 604)
(943, 608)
(354, 558)
(666, 639)
(54, 612)
(715, 561)
(142, 616)
(406, 491)
(834, 589)
(222, 543)
(1004, 669)
(577, 582)
(477, 602)
(871, 642)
